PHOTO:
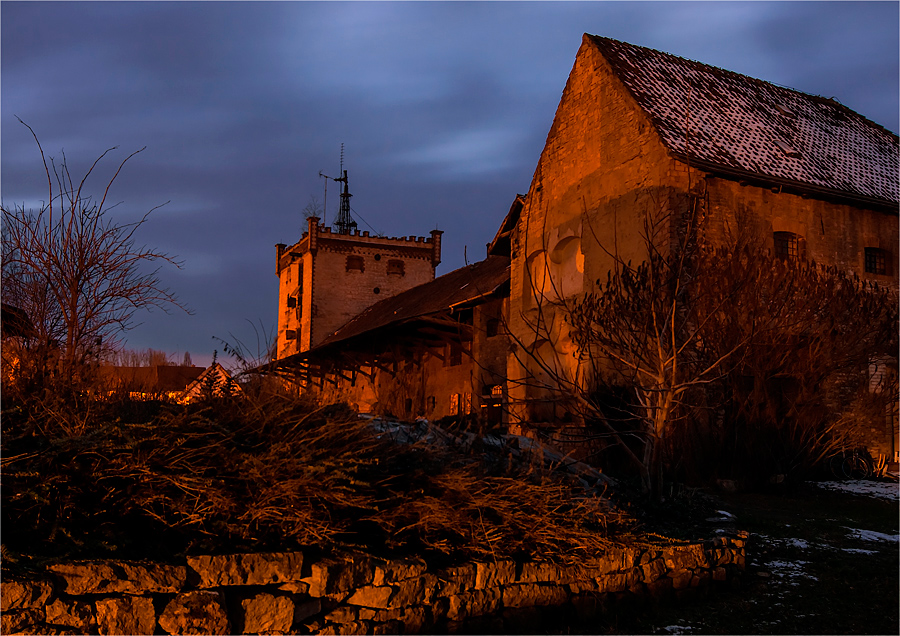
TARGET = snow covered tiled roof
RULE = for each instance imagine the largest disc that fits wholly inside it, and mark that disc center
(746, 125)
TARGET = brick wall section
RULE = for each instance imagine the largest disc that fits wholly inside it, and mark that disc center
(836, 234)
(331, 294)
(288, 592)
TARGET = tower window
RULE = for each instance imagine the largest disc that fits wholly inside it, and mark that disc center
(493, 327)
(396, 268)
(292, 301)
(355, 263)
(290, 334)
(876, 261)
(788, 246)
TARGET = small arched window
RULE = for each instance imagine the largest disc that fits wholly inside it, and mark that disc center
(789, 246)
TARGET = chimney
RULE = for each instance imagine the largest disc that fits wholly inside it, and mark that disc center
(313, 233)
(436, 247)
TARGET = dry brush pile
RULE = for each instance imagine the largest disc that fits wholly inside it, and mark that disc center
(142, 480)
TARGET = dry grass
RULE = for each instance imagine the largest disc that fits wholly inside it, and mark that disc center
(148, 480)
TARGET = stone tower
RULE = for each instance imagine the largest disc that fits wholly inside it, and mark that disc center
(328, 277)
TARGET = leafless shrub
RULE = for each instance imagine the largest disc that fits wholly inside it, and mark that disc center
(275, 473)
(78, 274)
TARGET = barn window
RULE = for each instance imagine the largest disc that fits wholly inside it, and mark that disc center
(355, 263)
(493, 327)
(454, 354)
(396, 267)
(876, 261)
(788, 246)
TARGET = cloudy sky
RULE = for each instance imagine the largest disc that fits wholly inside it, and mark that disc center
(443, 109)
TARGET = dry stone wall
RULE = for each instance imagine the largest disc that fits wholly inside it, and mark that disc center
(290, 593)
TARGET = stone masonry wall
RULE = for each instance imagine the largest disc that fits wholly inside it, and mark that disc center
(289, 592)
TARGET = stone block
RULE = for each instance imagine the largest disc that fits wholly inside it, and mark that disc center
(489, 575)
(294, 587)
(414, 619)
(247, 569)
(333, 576)
(342, 614)
(613, 582)
(394, 571)
(454, 580)
(409, 592)
(372, 596)
(723, 556)
(583, 587)
(653, 570)
(110, 577)
(126, 615)
(430, 587)
(267, 614)
(16, 595)
(20, 620)
(681, 578)
(201, 612)
(719, 574)
(473, 603)
(70, 613)
(538, 572)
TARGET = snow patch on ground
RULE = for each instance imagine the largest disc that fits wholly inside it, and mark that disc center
(859, 551)
(790, 571)
(872, 536)
(677, 629)
(887, 490)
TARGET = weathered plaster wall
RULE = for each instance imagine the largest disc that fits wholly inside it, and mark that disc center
(603, 170)
(836, 234)
(290, 592)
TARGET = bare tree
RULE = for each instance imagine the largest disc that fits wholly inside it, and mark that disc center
(77, 272)
(313, 207)
(723, 348)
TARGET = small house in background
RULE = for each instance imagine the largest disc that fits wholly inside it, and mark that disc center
(170, 383)
(159, 382)
(213, 382)
(16, 329)
(15, 323)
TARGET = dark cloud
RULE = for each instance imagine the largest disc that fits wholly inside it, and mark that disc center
(444, 108)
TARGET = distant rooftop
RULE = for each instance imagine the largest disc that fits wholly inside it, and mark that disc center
(744, 125)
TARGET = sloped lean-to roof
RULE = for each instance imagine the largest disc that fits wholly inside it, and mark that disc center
(745, 126)
(462, 287)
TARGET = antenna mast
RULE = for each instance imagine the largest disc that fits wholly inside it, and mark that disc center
(344, 223)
